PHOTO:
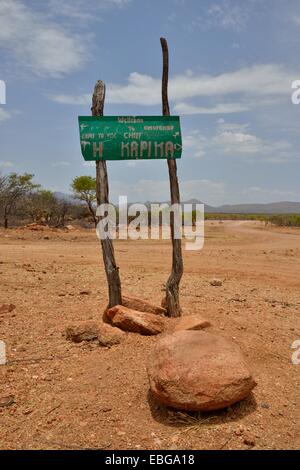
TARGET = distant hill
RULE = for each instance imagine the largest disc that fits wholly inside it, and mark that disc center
(281, 207)
(284, 207)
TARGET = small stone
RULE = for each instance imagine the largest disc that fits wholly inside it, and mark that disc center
(249, 440)
(83, 331)
(7, 401)
(6, 308)
(216, 282)
(239, 431)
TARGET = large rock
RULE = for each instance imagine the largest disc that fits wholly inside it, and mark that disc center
(137, 322)
(191, 322)
(197, 370)
(142, 305)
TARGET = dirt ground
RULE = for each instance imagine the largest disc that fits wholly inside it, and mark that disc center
(82, 396)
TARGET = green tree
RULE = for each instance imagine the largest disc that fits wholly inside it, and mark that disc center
(84, 188)
(41, 206)
(14, 189)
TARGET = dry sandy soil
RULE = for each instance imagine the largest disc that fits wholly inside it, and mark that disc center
(82, 396)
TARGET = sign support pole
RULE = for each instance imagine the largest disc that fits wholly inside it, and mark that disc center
(102, 192)
(172, 286)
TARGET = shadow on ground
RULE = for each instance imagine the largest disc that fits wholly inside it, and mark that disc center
(171, 417)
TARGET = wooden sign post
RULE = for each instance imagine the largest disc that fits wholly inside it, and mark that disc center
(135, 137)
(102, 191)
(172, 286)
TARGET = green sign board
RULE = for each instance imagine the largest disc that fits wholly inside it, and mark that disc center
(130, 137)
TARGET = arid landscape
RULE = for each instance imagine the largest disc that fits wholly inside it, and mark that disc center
(56, 394)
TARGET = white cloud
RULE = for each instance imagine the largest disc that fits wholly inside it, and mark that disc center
(238, 142)
(228, 15)
(61, 163)
(85, 99)
(235, 139)
(231, 126)
(4, 115)
(6, 164)
(270, 194)
(46, 48)
(256, 83)
(81, 9)
(194, 144)
(221, 108)
(296, 19)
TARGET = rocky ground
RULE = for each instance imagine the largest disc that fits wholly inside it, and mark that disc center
(56, 394)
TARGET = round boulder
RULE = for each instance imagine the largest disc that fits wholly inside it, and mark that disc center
(198, 371)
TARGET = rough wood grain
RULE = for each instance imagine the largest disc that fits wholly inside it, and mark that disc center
(102, 191)
(172, 286)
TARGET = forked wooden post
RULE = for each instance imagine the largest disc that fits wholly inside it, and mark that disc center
(172, 286)
(102, 191)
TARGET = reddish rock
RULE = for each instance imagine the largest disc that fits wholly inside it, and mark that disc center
(142, 305)
(197, 370)
(83, 331)
(109, 336)
(105, 334)
(191, 322)
(6, 308)
(249, 439)
(134, 321)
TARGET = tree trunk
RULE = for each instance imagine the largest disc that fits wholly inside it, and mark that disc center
(172, 286)
(102, 189)
(5, 218)
(92, 212)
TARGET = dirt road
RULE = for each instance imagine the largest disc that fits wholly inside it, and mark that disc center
(84, 396)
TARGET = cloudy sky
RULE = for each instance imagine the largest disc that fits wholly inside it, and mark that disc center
(232, 63)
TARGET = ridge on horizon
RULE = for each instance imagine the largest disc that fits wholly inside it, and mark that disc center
(277, 207)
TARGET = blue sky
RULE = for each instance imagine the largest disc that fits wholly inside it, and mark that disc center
(232, 63)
